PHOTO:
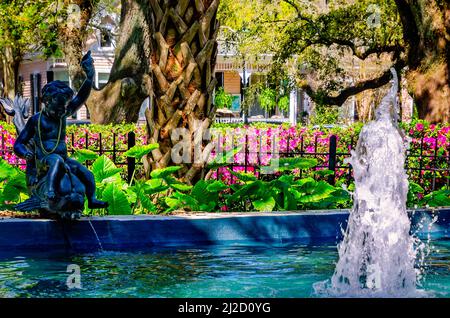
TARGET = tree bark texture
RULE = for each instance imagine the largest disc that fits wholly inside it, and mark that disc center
(182, 68)
(426, 31)
(73, 35)
(130, 79)
(10, 66)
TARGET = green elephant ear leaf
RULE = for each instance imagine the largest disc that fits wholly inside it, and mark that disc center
(306, 183)
(139, 151)
(321, 191)
(83, 155)
(103, 168)
(186, 201)
(6, 170)
(181, 186)
(182, 201)
(164, 172)
(14, 187)
(216, 186)
(437, 198)
(155, 186)
(264, 204)
(324, 172)
(201, 194)
(247, 190)
(415, 188)
(172, 202)
(147, 203)
(117, 199)
(286, 164)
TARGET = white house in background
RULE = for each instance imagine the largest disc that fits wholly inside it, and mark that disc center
(34, 72)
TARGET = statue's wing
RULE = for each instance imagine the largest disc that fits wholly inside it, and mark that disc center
(26, 105)
(7, 104)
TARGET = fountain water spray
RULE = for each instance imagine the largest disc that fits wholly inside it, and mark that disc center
(377, 255)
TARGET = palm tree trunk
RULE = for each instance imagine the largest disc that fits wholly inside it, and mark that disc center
(183, 62)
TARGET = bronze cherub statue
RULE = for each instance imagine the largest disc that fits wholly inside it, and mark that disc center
(57, 183)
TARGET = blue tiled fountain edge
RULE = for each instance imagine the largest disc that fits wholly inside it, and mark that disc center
(124, 232)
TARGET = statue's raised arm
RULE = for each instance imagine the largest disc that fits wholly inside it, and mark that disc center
(87, 63)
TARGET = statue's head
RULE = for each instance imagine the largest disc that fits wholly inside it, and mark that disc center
(56, 95)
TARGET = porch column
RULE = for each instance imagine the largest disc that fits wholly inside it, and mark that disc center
(293, 107)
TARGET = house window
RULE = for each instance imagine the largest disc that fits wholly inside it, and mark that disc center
(62, 76)
(105, 38)
(20, 86)
(219, 78)
(102, 80)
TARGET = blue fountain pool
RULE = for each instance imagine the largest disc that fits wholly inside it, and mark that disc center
(232, 270)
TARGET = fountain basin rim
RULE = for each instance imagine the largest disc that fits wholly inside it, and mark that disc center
(143, 231)
(189, 215)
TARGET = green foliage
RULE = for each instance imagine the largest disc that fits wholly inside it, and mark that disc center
(324, 172)
(272, 93)
(16, 185)
(80, 130)
(216, 186)
(288, 164)
(164, 194)
(164, 172)
(83, 155)
(267, 98)
(304, 36)
(117, 199)
(286, 192)
(283, 103)
(204, 196)
(103, 168)
(140, 151)
(222, 99)
(325, 115)
(110, 187)
(13, 185)
(6, 170)
(26, 26)
(265, 204)
(437, 198)
(414, 191)
(225, 159)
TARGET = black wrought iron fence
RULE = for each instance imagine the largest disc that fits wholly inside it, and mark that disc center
(113, 149)
(429, 170)
(427, 163)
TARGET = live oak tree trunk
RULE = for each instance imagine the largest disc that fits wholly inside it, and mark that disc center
(3, 115)
(426, 29)
(10, 61)
(130, 79)
(73, 33)
(182, 63)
